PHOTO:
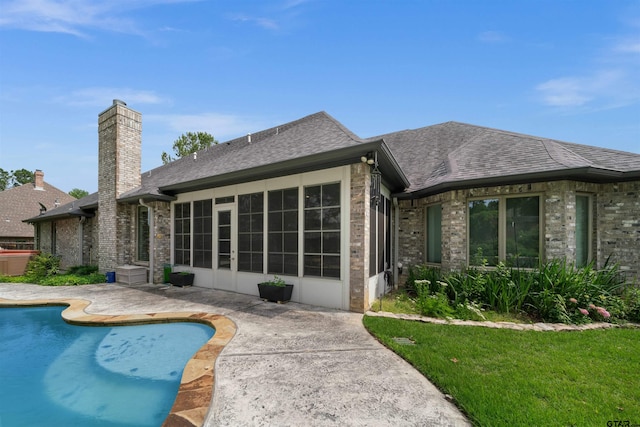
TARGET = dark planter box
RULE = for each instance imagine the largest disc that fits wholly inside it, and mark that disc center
(275, 293)
(181, 279)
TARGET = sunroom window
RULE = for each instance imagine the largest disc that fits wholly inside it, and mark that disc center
(182, 233)
(322, 230)
(202, 235)
(283, 232)
(250, 232)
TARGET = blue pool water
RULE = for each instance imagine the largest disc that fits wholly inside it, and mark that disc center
(56, 374)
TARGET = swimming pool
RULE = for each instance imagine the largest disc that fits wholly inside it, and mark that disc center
(53, 373)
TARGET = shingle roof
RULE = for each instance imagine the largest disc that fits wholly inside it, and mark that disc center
(20, 203)
(419, 161)
(305, 144)
(85, 206)
(452, 154)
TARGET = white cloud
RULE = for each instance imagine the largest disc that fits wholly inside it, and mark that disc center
(74, 17)
(102, 97)
(612, 82)
(492, 37)
(609, 88)
(266, 23)
(628, 46)
(221, 126)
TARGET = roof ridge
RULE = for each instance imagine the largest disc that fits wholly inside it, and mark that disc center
(554, 149)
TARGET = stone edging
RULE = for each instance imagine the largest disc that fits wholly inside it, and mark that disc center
(557, 327)
(193, 400)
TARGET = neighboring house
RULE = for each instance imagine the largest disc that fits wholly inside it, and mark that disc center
(341, 217)
(22, 202)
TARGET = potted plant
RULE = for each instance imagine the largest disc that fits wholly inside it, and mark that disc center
(275, 290)
(181, 278)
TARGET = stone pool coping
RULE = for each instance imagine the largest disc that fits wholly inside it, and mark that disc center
(195, 394)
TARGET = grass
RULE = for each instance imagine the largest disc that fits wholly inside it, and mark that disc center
(503, 377)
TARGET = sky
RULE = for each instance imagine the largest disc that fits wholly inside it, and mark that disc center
(558, 69)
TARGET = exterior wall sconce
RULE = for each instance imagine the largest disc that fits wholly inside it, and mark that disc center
(371, 159)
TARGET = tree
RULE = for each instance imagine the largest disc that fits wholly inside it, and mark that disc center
(189, 143)
(14, 178)
(5, 178)
(78, 193)
(22, 176)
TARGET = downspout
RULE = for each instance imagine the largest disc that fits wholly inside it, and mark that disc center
(396, 242)
(152, 239)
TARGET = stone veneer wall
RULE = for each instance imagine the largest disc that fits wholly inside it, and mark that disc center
(359, 238)
(119, 158)
(615, 212)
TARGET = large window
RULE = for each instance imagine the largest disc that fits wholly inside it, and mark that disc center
(142, 237)
(202, 239)
(583, 230)
(182, 234)
(250, 232)
(434, 234)
(322, 230)
(505, 229)
(283, 232)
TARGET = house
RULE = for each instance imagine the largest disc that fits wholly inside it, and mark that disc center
(26, 201)
(343, 218)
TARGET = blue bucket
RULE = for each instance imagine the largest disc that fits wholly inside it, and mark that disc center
(111, 276)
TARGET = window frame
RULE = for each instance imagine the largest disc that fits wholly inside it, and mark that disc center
(255, 254)
(140, 234)
(283, 233)
(589, 234)
(428, 235)
(502, 226)
(184, 235)
(202, 255)
(323, 233)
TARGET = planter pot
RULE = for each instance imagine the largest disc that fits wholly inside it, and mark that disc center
(277, 294)
(181, 279)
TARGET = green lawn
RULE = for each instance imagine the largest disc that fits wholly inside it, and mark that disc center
(501, 377)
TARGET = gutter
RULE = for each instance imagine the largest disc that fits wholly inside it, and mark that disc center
(584, 174)
(152, 239)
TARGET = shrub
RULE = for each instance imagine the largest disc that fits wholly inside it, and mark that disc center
(82, 270)
(631, 298)
(42, 265)
(432, 304)
(72, 279)
(555, 292)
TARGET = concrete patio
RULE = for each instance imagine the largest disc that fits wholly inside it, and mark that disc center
(288, 364)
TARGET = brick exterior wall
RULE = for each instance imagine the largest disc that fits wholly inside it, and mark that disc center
(90, 240)
(359, 238)
(618, 226)
(615, 213)
(68, 244)
(119, 159)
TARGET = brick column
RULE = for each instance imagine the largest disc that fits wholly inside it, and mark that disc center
(359, 245)
(119, 158)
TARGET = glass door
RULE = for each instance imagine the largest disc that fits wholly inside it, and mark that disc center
(226, 264)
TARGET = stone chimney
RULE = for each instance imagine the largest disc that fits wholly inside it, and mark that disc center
(119, 163)
(38, 179)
